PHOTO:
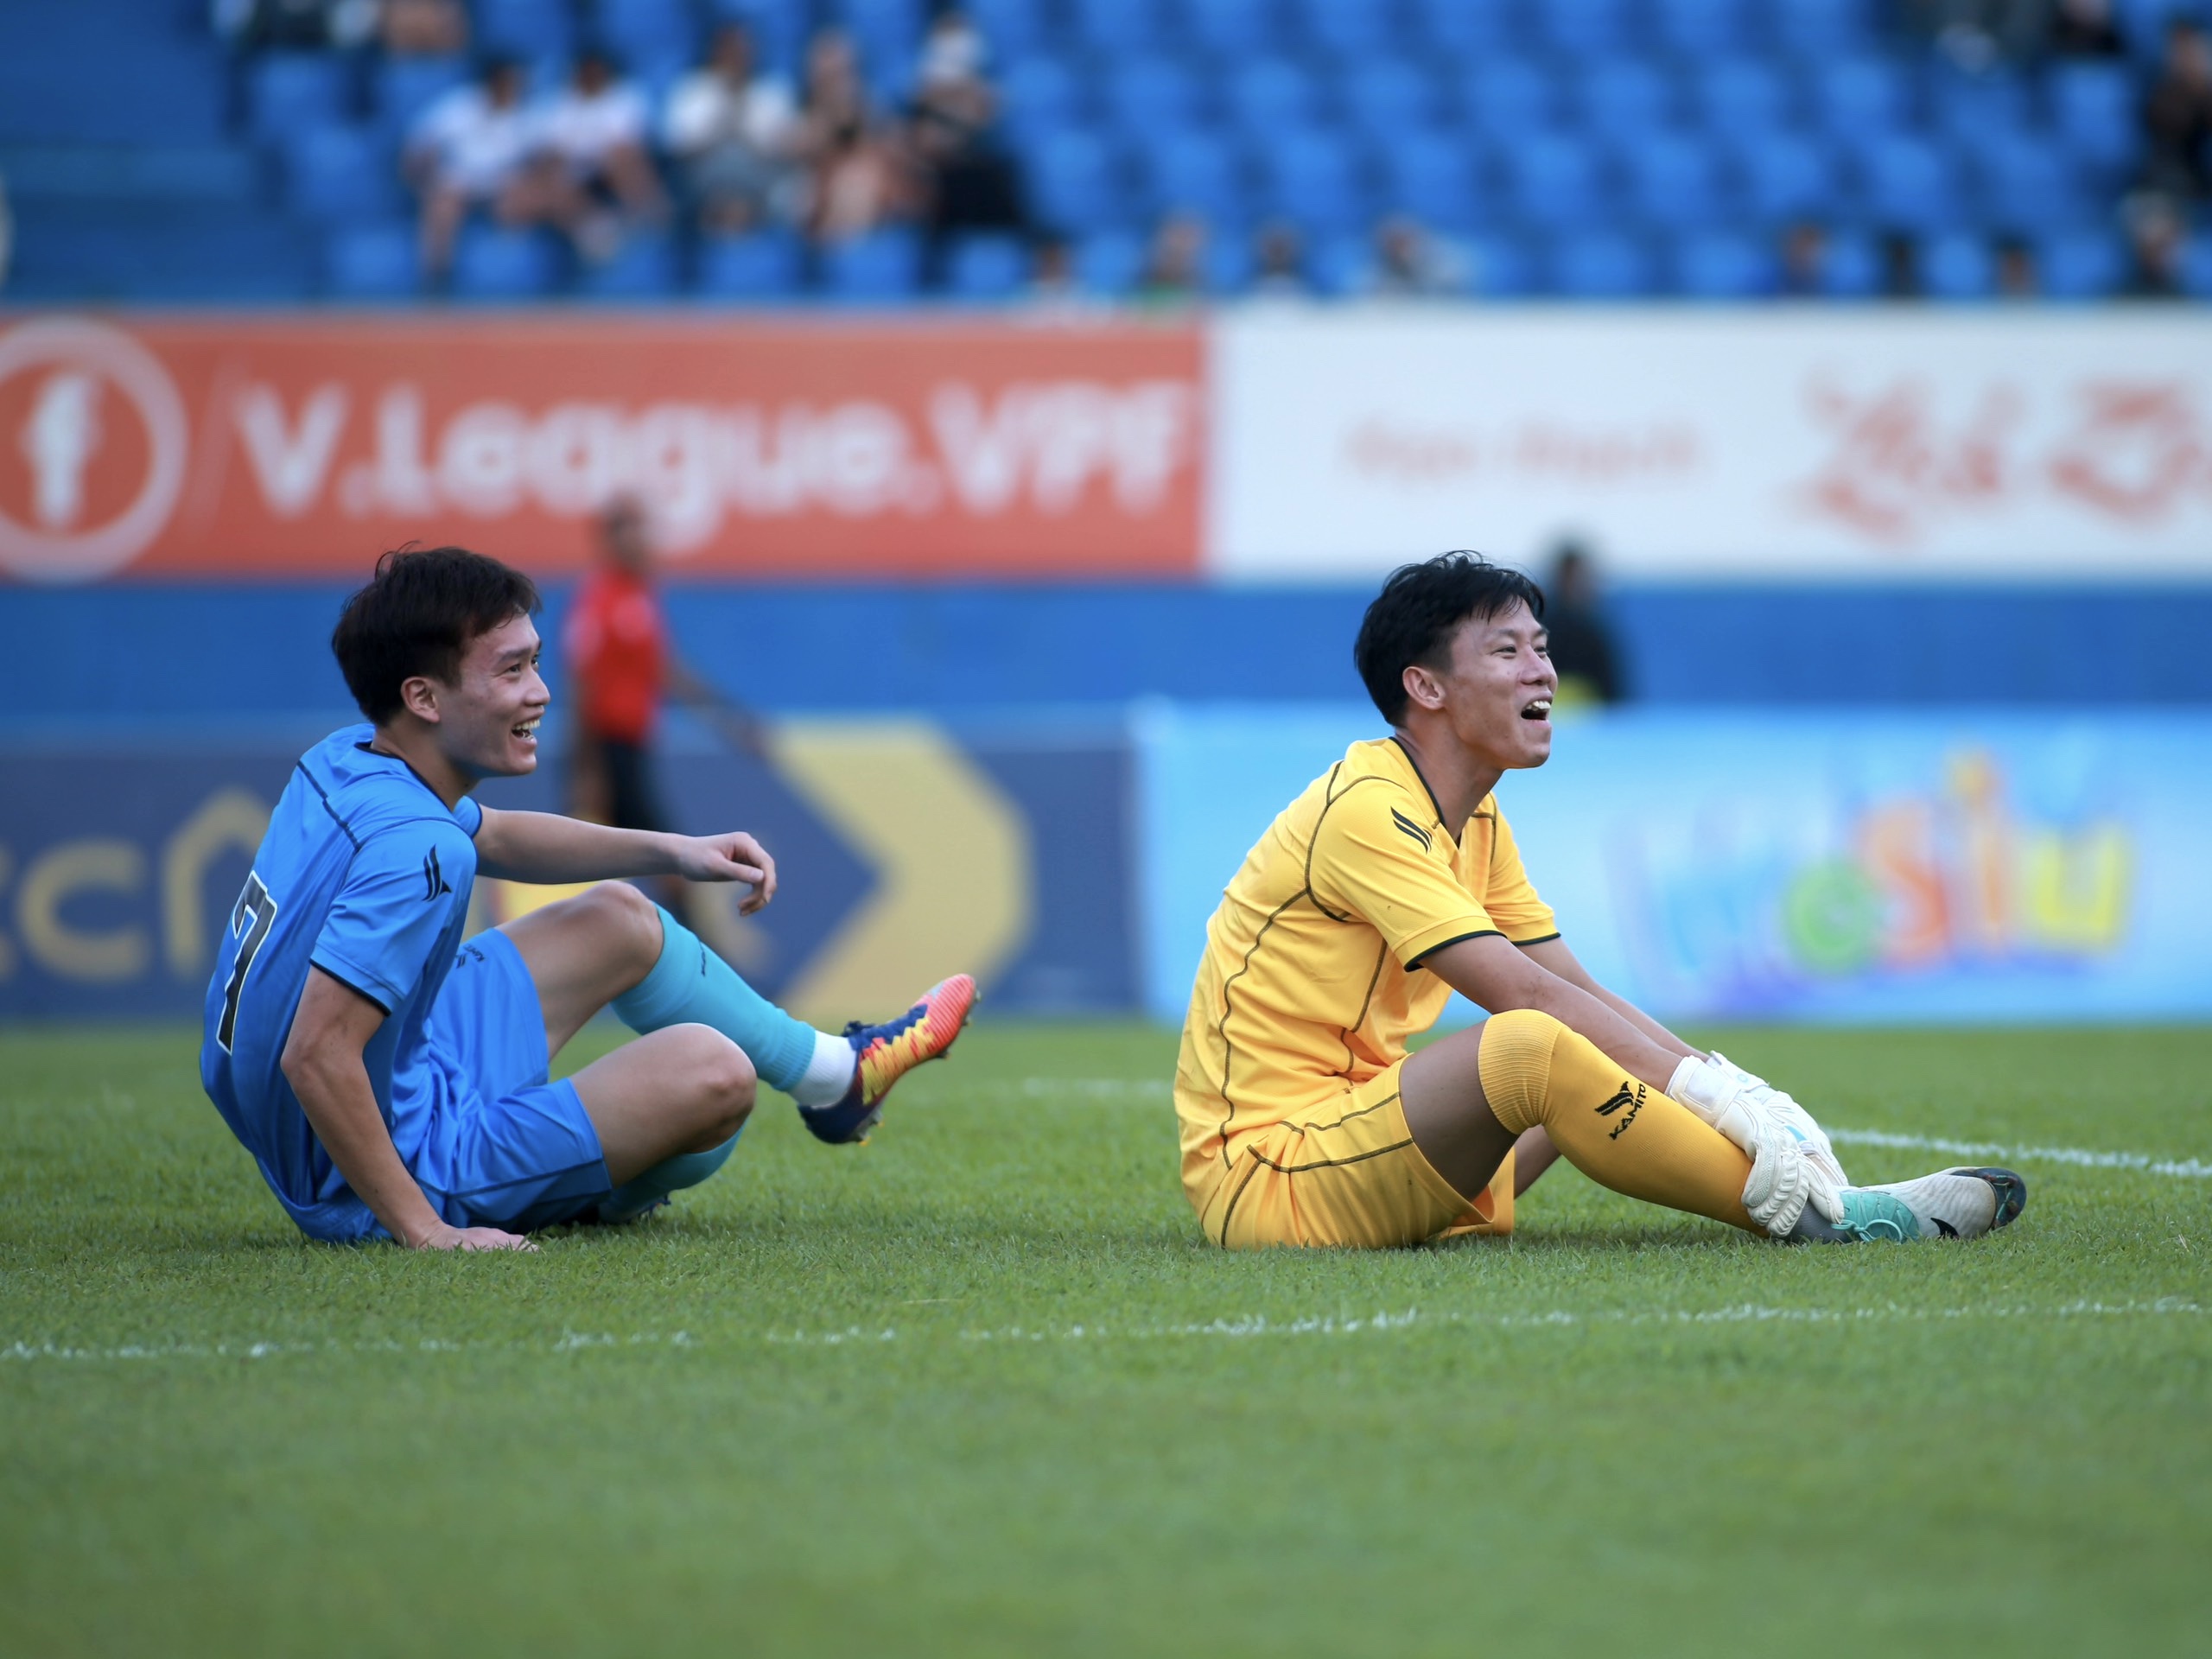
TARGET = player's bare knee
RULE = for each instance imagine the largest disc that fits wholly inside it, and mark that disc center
(627, 922)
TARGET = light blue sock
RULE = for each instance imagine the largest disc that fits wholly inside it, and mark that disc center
(690, 985)
(640, 1193)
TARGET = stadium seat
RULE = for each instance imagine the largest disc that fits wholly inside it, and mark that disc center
(1724, 265)
(1508, 99)
(1974, 109)
(1073, 182)
(1234, 28)
(540, 32)
(1498, 266)
(991, 267)
(2027, 183)
(407, 87)
(1741, 97)
(1192, 172)
(333, 174)
(2196, 268)
(1268, 96)
(1859, 99)
(643, 267)
(1466, 29)
(1853, 269)
(1698, 29)
(1151, 94)
(1673, 182)
(1010, 28)
(1434, 178)
(1619, 98)
(287, 93)
(1314, 182)
(1910, 182)
(765, 265)
(1957, 265)
(1555, 181)
(882, 268)
(1038, 95)
(1227, 264)
(778, 28)
(2081, 265)
(371, 262)
(1811, 29)
(1110, 263)
(492, 263)
(1388, 98)
(1337, 265)
(1123, 26)
(1601, 265)
(654, 40)
(1583, 28)
(889, 35)
(2092, 110)
(1785, 176)
(1350, 29)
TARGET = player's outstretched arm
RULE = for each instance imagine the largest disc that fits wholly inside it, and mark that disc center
(322, 1062)
(1497, 976)
(1554, 956)
(545, 847)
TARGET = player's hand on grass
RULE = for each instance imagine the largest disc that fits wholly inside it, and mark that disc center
(733, 857)
(444, 1237)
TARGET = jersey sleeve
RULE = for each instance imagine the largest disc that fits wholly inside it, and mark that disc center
(1378, 855)
(1511, 900)
(387, 919)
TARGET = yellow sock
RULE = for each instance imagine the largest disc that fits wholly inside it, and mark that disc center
(1618, 1132)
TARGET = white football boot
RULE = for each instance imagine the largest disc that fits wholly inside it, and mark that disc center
(1960, 1203)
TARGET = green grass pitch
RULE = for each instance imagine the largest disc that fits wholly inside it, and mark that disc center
(980, 1389)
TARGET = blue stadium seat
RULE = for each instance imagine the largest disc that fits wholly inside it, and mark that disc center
(993, 267)
(889, 35)
(287, 93)
(1348, 28)
(1314, 182)
(1602, 265)
(882, 268)
(1555, 181)
(1126, 26)
(407, 87)
(655, 40)
(1109, 263)
(1698, 29)
(2081, 265)
(1499, 266)
(1387, 98)
(2027, 183)
(2196, 268)
(1958, 266)
(1074, 183)
(1785, 176)
(1910, 182)
(643, 267)
(778, 28)
(333, 174)
(1268, 96)
(1038, 95)
(1234, 28)
(1581, 28)
(1724, 265)
(1011, 27)
(1228, 263)
(765, 265)
(1861, 99)
(2092, 109)
(1815, 28)
(1467, 28)
(1194, 172)
(371, 262)
(1434, 177)
(492, 263)
(538, 31)
(1674, 181)
(1853, 269)
(1507, 98)
(1971, 109)
(1151, 94)
(1741, 97)
(1619, 98)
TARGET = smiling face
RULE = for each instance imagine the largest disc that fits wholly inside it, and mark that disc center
(1494, 690)
(487, 721)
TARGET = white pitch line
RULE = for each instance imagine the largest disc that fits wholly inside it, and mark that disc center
(1250, 1325)
(2187, 1169)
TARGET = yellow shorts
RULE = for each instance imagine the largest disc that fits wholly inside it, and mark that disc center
(1345, 1172)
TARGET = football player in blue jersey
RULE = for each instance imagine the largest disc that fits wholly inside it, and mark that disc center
(390, 1077)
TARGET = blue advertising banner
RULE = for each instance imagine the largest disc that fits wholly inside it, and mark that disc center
(906, 851)
(1845, 868)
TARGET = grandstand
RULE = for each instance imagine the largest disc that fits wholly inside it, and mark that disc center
(1577, 149)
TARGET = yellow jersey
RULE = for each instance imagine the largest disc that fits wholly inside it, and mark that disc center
(1312, 980)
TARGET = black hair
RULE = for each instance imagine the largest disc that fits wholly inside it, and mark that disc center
(417, 615)
(1421, 607)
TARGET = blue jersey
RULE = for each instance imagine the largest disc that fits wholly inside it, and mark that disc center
(366, 875)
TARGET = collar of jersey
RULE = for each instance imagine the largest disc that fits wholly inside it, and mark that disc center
(1413, 767)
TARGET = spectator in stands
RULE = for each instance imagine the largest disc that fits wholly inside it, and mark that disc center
(1279, 264)
(1974, 34)
(1900, 267)
(860, 171)
(1581, 639)
(1804, 261)
(2157, 238)
(969, 183)
(1054, 288)
(480, 147)
(597, 128)
(424, 29)
(1174, 271)
(2084, 28)
(1410, 262)
(2016, 276)
(732, 130)
(295, 24)
(2177, 113)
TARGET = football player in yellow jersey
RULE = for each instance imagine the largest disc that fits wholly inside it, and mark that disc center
(1392, 880)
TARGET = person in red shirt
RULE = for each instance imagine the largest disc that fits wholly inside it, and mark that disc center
(624, 667)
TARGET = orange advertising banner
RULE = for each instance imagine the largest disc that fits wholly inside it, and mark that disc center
(808, 447)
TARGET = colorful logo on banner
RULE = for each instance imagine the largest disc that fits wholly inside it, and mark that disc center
(291, 448)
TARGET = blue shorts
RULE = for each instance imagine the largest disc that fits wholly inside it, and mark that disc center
(512, 1150)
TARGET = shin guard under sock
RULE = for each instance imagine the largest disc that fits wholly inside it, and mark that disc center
(1620, 1133)
(690, 985)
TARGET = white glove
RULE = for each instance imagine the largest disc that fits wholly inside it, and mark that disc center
(1787, 1170)
(1783, 1180)
(1763, 1096)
